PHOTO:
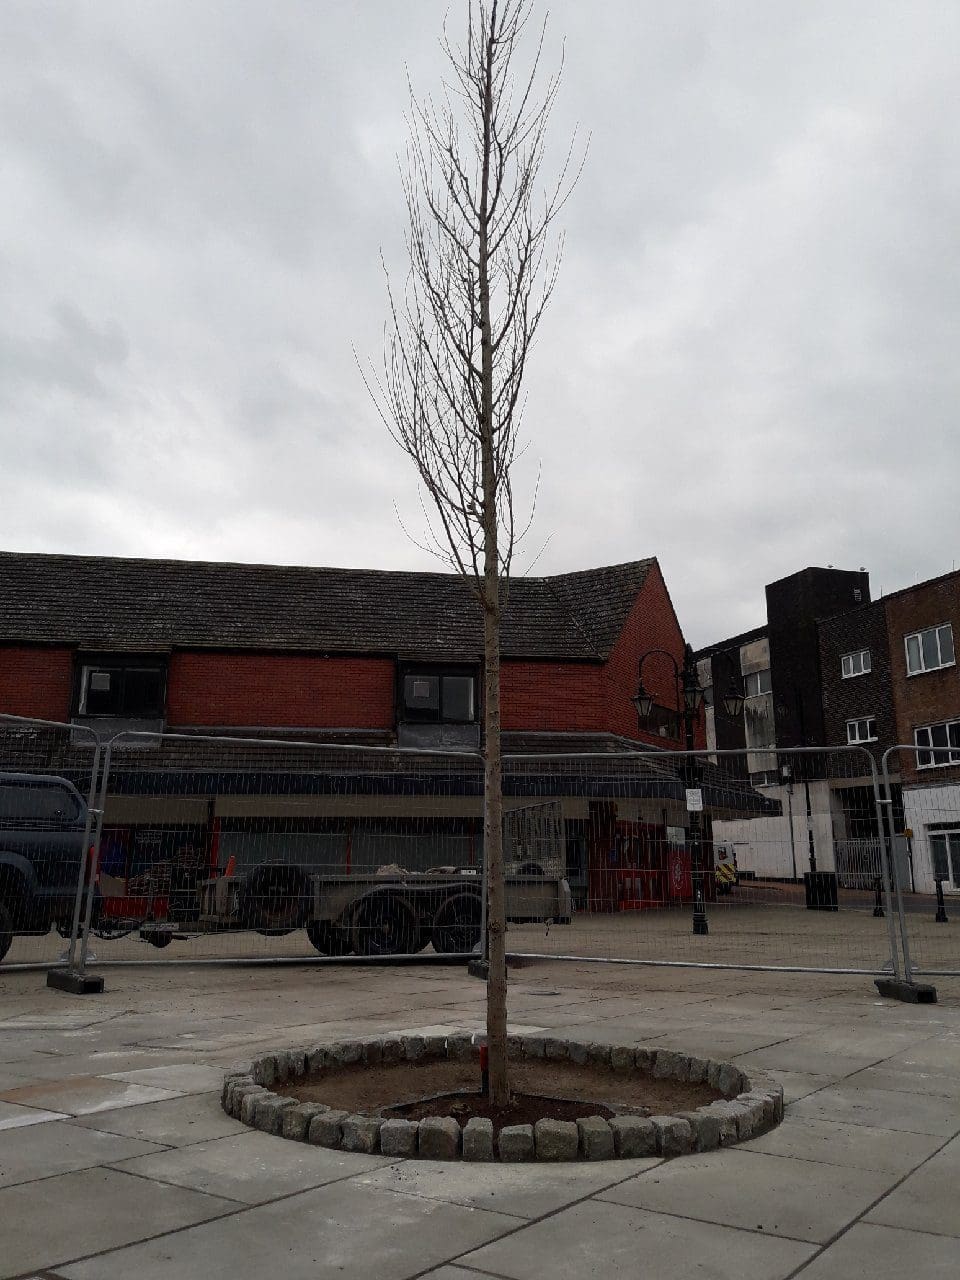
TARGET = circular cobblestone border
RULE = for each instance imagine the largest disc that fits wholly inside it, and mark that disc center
(751, 1104)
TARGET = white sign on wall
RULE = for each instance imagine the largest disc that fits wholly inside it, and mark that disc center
(694, 800)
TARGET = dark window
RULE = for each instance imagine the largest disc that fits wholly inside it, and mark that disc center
(439, 697)
(756, 683)
(36, 806)
(133, 689)
(665, 722)
(944, 738)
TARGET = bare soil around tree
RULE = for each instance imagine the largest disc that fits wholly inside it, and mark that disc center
(541, 1090)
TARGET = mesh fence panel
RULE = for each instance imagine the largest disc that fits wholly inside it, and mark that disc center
(923, 789)
(784, 867)
(242, 847)
(47, 777)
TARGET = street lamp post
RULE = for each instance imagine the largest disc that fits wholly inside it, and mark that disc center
(689, 699)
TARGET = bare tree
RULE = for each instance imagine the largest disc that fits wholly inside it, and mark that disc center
(482, 268)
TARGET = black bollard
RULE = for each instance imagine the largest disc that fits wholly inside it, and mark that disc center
(941, 916)
(878, 912)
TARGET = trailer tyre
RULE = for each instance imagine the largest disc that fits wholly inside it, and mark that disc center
(457, 924)
(275, 900)
(385, 925)
(328, 938)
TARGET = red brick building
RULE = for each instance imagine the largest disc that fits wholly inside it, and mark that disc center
(359, 655)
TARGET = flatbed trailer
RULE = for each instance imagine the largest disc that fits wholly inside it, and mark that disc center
(374, 914)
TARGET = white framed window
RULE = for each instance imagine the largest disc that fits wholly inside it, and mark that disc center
(862, 730)
(945, 851)
(937, 744)
(756, 683)
(855, 664)
(930, 649)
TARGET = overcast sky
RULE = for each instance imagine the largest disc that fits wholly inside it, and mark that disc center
(750, 363)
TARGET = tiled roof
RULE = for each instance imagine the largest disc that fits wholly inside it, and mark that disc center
(127, 604)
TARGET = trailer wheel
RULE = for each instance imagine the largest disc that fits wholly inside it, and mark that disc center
(328, 938)
(156, 938)
(385, 925)
(457, 924)
(275, 899)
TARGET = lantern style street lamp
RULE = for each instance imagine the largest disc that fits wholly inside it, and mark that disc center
(689, 700)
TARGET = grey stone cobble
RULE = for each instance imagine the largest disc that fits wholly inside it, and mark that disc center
(399, 1137)
(345, 1053)
(705, 1128)
(392, 1050)
(643, 1059)
(727, 1120)
(515, 1143)
(478, 1139)
(234, 1090)
(577, 1052)
(434, 1046)
(674, 1136)
(439, 1138)
(296, 1120)
(555, 1049)
(230, 1082)
(556, 1140)
(414, 1048)
(670, 1066)
(360, 1133)
(268, 1112)
(460, 1047)
(596, 1138)
(533, 1046)
(372, 1053)
(248, 1100)
(325, 1129)
(598, 1055)
(265, 1071)
(633, 1136)
(729, 1080)
(622, 1058)
(696, 1071)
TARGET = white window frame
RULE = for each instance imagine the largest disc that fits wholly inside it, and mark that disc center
(928, 748)
(848, 660)
(853, 729)
(762, 693)
(918, 636)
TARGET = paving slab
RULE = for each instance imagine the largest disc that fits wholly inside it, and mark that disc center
(527, 1191)
(619, 1243)
(854, 1146)
(82, 1095)
(797, 1084)
(902, 1079)
(91, 1210)
(345, 1231)
(174, 1122)
(187, 1077)
(251, 1167)
(13, 1116)
(45, 1150)
(771, 1194)
(882, 1109)
(941, 1054)
(789, 1056)
(868, 1252)
(928, 1200)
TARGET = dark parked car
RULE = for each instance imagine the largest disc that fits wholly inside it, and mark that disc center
(42, 824)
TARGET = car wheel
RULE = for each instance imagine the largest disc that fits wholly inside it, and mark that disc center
(6, 929)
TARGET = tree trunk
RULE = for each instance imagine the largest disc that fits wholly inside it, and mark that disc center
(493, 850)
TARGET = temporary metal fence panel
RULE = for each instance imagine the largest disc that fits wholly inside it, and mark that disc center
(689, 858)
(921, 785)
(48, 789)
(245, 848)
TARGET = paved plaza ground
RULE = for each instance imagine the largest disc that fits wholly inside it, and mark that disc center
(116, 1160)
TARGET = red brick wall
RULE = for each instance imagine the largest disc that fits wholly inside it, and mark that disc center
(551, 696)
(931, 696)
(36, 682)
(281, 690)
(651, 624)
